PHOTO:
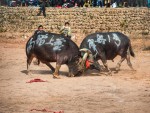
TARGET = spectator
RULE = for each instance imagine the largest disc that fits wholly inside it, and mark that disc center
(87, 3)
(100, 3)
(139, 3)
(125, 3)
(65, 3)
(144, 3)
(7, 2)
(53, 3)
(18, 2)
(119, 3)
(94, 3)
(60, 2)
(114, 4)
(107, 3)
(80, 3)
(68, 3)
(132, 3)
(72, 2)
(58, 5)
(32, 2)
(129, 3)
(42, 8)
(66, 30)
(23, 3)
(13, 3)
(76, 5)
(148, 3)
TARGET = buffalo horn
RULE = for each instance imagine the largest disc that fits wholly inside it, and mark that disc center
(87, 52)
(85, 57)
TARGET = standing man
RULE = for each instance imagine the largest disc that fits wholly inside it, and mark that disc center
(42, 8)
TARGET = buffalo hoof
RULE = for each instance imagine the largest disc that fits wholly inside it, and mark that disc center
(117, 68)
(29, 73)
(70, 75)
(36, 62)
(109, 73)
(133, 69)
(56, 77)
(53, 70)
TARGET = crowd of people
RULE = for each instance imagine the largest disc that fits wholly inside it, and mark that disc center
(78, 3)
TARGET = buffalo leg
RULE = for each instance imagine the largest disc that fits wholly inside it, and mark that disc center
(128, 61)
(106, 66)
(36, 62)
(119, 63)
(103, 57)
(70, 74)
(50, 66)
(29, 60)
(55, 74)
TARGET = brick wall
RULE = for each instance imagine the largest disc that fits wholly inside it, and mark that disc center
(130, 21)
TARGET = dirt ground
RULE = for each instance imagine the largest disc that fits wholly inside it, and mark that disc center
(125, 92)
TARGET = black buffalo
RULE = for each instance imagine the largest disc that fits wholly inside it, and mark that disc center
(50, 47)
(106, 46)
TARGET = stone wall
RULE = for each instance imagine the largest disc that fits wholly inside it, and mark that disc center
(130, 21)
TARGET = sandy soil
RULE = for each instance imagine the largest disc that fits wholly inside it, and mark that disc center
(125, 92)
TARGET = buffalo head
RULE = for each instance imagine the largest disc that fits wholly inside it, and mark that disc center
(82, 63)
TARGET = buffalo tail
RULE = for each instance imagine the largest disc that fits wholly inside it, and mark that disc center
(131, 50)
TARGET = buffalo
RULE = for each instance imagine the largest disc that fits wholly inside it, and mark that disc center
(51, 47)
(107, 45)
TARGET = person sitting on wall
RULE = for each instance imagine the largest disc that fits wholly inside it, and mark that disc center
(39, 30)
(66, 30)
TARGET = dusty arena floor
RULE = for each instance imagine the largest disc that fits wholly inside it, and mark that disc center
(125, 92)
